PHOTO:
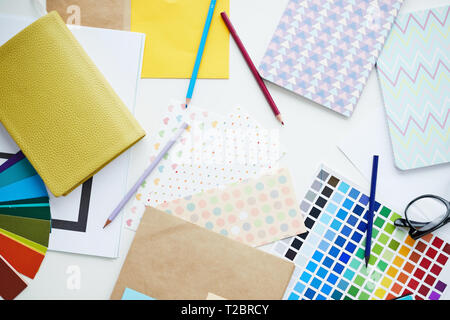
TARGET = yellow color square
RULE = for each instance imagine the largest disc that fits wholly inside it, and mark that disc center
(392, 272)
(404, 251)
(386, 282)
(380, 293)
(398, 261)
(410, 241)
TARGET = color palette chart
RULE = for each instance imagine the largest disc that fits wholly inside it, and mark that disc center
(255, 211)
(330, 256)
(25, 223)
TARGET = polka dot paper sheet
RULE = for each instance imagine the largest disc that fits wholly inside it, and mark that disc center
(255, 211)
(216, 150)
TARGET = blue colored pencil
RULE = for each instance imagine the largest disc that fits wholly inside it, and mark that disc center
(200, 50)
(373, 186)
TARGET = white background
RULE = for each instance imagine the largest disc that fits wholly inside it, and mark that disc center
(310, 135)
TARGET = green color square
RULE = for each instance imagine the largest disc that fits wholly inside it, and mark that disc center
(369, 286)
(372, 260)
(359, 280)
(355, 264)
(365, 271)
(379, 222)
(376, 276)
(394, 217)
(385, 212)
(377, 249)
(394, 244)
(363, 296)
(382, 265)
(400, 234)
(383, 239)
(347, 298)
(389, 228)
(360, 253)
(388, 255)
(374, 233)
(353, 291)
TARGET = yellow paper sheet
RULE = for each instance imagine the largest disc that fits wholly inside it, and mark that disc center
(173, 30)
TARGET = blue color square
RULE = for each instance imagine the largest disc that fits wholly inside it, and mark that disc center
(341, 214)
(344, 257)
(331, 208)
(336, 225)
(334, 251)
(358, 209)
(322, 272)
(343, 187)
(310, 293)
(328, 262)
(343, 284)
(346, 231)
(356, 237)
(330, 235)
(299, 287)
(337, 197)
(305, 277)
(324, 245)
(315, 283)
(326, 289)
(319, 229)
(376, 206)
(332, 278)
(348, 204)
(340, 241)
(317, 256)
(362, 226)
(351, 220)
(320, 297)
(338, 268)
(350, 247)
(354, 193)
(325, 218)
(364, 200)
(336, 295)
(293, 296)
(311, 266)
(348, 274)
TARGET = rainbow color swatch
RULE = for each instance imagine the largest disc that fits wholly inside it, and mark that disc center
(330, 256)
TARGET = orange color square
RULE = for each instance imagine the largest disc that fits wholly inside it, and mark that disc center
(427, 237)
(390, 296)
(396, 288)
(398, 261)
(403, 277)
(404, 251)
(414, 257)
(392, 272)
(409, 267)
(410, 241)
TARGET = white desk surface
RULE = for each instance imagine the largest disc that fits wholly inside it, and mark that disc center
(310, 135)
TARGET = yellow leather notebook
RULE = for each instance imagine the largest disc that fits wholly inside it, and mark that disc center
(59, 108)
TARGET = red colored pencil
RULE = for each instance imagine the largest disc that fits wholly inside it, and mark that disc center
(252, 67)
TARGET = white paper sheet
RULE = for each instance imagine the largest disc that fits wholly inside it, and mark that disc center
(118, 55)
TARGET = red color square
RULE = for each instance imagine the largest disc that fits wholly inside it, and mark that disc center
(421, 246)
(442, 259)
(418, 298)
(447, 248)
(406, 292)
(396, 288)
(431, 252)
(436, 269)
(437, 242)
(419, 273)
(424, 290)
(429, 280)
(412, 284)
(425, 263)
(390, 297)
(427, 237)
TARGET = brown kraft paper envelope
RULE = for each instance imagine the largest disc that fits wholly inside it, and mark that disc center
(174, 259)
(109, 14)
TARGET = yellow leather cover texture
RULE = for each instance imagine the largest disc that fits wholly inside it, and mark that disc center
(59, 108)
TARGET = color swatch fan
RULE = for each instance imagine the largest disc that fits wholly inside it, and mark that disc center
(25, 224)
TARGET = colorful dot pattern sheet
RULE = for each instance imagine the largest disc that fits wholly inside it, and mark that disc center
(329, 258)
(255, 211)
(216, 150)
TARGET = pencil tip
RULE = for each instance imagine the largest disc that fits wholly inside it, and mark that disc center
(367, 260)
(106, 223)
(282, 123)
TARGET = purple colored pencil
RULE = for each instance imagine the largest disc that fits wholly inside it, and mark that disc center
(11, 161)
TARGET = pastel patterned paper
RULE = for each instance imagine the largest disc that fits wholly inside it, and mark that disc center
(413, 70)
(215, 151)
(325, 50)
(329, 258)
(255, 211)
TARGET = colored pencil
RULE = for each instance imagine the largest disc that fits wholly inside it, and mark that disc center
(146, 173)
(373, 185)
(252, 67)
(200, 50)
